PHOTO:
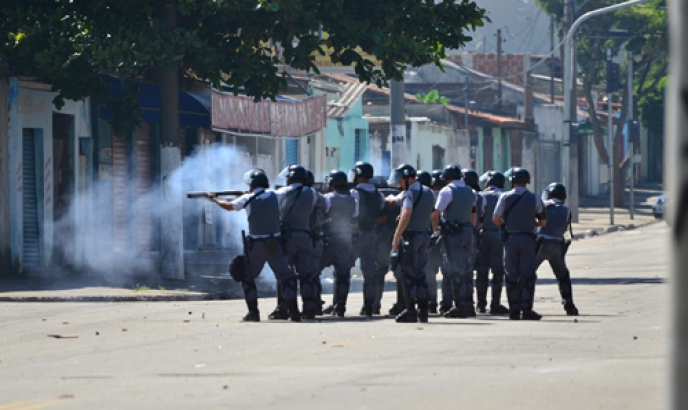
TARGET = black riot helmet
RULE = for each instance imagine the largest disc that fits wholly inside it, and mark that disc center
(452, 172)
(362, 169)
(437, 178)
(519, 176)
(404, 171)
(425, 178)
(556, 190)
(256, 178)
(296, 173)
(495, 178)
(310, 178)
(337, 179)
(471, 178)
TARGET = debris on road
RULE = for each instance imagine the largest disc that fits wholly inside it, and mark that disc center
(67, 336)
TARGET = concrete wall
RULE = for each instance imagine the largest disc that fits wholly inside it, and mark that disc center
(32, 108)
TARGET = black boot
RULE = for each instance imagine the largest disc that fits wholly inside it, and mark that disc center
(481, 291)
(432, 307)
(396, 309)
(251, 316)
(328, 310)
(531, 315)
(339, 310)
(570, 308)
(280, 313)
(294, 314)
(423, 310)
(407, 316)
(368, 307)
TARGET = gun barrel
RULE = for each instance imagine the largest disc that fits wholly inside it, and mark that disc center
(201, 194)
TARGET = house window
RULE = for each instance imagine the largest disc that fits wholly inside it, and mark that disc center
(438, 155)
(292, 151)
(357, 145)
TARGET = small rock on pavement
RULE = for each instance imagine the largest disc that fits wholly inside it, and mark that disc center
(635, 337)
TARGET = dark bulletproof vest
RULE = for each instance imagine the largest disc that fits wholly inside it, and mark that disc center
(264, 216)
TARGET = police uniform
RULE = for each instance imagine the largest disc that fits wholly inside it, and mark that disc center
(262, 209)
(490, 254)
(457, 204)
(419, 199)
(321, 207)
(296, 204)
(553, 249)
(371, 202)
(520, 248)
(343, 208)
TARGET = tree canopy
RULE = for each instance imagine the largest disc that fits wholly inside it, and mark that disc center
(71, 43)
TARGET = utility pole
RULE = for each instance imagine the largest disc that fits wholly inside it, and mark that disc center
(610, 142)
(171, 218)
(499, 70)
(397, 123)
(570, 146)
(676, 177)
(465, 103)
(630, 135)
(551, 63)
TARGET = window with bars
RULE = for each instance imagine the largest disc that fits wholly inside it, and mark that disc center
(292, 151)
(357, 145)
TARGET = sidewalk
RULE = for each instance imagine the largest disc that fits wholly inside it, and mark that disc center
(593, 220)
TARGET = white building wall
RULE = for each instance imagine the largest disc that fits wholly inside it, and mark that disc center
(33, 108)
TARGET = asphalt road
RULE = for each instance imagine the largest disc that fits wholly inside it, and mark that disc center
(169, 355)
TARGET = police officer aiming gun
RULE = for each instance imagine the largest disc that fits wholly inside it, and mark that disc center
(262, 245)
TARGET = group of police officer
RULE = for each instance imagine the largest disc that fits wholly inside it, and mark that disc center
(436, 221)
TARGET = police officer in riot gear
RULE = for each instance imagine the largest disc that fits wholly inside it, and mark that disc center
(554, 246)
(385, 233)
(456, 215)
(411, 241)
(262, 210)
(371, 203)
(296, 204)
(343, 208)
(490, 249)
(518, 212)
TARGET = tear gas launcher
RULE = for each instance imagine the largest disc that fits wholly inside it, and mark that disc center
(201, 194)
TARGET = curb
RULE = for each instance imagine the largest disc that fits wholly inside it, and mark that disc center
(612, 229)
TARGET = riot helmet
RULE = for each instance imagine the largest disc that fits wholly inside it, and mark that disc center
(471, 177)
(256, 178)
(556, 190)
(437, 178)
(337, 179)
(452, 172)
(362, 169)
(404, 171)
(294, 173)
(495, 178)
(310, 178)
(519, 176)
(425, 178)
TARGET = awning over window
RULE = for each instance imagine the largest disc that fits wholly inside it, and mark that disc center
(192, 112)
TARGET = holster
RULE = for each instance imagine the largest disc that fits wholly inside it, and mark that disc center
(565, 246)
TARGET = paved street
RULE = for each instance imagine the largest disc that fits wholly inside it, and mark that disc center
(163, 355)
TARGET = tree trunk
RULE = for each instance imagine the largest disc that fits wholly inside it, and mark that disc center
(171, 218)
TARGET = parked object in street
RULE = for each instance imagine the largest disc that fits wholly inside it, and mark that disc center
(658, 206)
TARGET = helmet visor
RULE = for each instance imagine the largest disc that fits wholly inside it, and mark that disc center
(247, 177)
(394, 177)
